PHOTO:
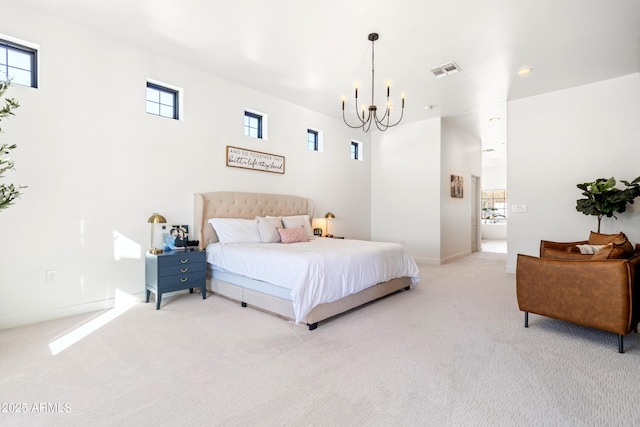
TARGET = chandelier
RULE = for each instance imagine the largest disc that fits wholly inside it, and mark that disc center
(382, 123)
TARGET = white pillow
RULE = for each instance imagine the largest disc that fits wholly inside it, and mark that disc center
(268, 228)
(294, 221)
(236, 230)
(590, 249)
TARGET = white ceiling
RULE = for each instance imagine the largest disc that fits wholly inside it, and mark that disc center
(310, 53)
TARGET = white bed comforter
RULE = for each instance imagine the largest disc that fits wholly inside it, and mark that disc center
(318, 271)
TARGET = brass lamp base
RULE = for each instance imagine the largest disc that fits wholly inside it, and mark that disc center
(155, 251)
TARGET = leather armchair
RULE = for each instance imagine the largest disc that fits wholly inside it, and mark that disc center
(602, 294)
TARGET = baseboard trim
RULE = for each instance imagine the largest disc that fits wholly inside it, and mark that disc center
(73, 310)
(56, 313)
(455, 257)
(422, 260)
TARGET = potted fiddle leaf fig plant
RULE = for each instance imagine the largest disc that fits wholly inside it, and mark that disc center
(8, 192)
(603, 198)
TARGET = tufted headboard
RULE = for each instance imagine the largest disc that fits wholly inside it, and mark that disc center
(229, 204)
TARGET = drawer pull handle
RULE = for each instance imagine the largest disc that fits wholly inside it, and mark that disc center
(184, 270)
(183, 261)
(184, 279)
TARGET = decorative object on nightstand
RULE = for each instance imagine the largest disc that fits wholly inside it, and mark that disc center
(171, 271)
(327, 217)
(156, 235)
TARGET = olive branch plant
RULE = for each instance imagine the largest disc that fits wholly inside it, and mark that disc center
(8, 192)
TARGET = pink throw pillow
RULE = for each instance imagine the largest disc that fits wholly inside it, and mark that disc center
(293, 235)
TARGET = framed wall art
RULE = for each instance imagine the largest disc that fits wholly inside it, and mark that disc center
(457, 186)
(255, 160)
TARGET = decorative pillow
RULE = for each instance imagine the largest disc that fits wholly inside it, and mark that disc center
(589, 249)
(293, 235)
(605, 239)
(268, 228)
(612, 251)
(236, 230)
(295, 221)
(619, 240)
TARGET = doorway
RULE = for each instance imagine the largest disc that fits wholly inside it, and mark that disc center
(494, 220)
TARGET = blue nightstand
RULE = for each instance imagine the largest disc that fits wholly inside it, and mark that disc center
(174, 271)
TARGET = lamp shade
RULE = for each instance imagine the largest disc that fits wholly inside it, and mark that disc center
(156, 232)
(156, 218)
(327, 217)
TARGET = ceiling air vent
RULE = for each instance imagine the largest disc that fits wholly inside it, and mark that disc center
(446, 69)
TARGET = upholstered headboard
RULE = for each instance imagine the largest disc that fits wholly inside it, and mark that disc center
(228, 204)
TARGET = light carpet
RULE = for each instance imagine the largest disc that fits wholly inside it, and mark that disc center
(452, 351)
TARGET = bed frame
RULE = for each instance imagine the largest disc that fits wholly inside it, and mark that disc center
(225, 204)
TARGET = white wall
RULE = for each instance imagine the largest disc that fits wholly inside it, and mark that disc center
(97, 166)
(564, 138)
(461, 154)
(494, 177)
(405, 188)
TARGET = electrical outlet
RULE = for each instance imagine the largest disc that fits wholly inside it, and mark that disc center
(52, 276)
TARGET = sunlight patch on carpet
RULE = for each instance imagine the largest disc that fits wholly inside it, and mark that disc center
(122, 303)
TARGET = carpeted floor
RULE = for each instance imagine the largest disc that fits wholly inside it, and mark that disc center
(453, 351)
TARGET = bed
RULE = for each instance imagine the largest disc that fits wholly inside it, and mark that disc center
(283, 298)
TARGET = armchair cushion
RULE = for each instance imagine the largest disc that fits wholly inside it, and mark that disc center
(560, 254)
(562, 250)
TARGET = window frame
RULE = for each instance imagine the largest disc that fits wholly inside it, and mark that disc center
(315, 141)
(260, 120)
(355, 150)
(489, 199)
(25, 48)
(167, 89)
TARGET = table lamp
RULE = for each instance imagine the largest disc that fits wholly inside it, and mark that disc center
(327, 217)
(156, 235)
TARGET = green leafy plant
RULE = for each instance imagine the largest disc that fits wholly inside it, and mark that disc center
(8, 192)
(603, 198)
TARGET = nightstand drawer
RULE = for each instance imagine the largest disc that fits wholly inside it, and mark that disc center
(186, 280)
(189, 267)
(181, 259)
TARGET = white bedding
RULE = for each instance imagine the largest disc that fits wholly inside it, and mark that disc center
(318, 271)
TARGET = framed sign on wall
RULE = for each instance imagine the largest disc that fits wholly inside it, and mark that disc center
(255, 160)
